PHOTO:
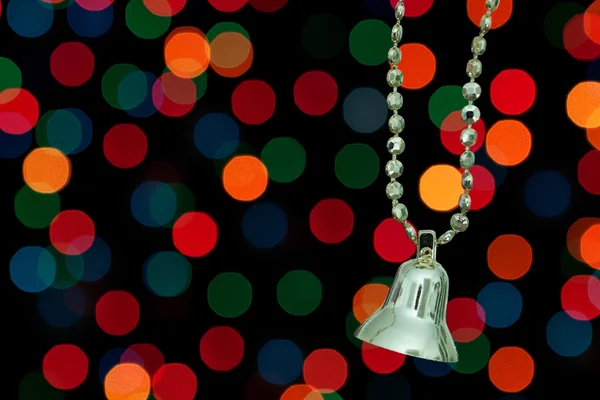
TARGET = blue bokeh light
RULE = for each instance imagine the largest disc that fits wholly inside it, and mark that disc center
(147, 106)
(547, 193)
(153, 203)
(280, 362)
(568, 337)
(95, 261)
(265, 225)
(365, 110)
(89, 24)
(216, 135)
(62, 308)
(14, 146)
(108, 361)
(32, 269)
(29, 18)
(432, 369)
(502, 303)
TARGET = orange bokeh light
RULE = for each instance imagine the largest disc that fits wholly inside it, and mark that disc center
(511, 369)
(187, 52)
(368, 299)
(509, 257)
(46, 170)
(593, 136)
(301, 392)
(440, 187)
(245, 178)
(583, 104)
(590, 246)
(476, 9)
(508, 142)
(127, 382)
(231, 54)
(418, 65)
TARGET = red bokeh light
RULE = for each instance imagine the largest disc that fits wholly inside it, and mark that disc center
(331, 221)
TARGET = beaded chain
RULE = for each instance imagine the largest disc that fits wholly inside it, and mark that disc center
(468, 137)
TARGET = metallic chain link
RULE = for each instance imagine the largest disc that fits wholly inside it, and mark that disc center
(470, 114)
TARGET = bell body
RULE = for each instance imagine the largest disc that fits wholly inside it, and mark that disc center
(412, 320)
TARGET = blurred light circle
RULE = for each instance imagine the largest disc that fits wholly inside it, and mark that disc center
(590, 246)
(174, 381)
(331, 221)
(127, 381)
(502, 304)
(475, 9)
(34, 386)
(265, 225)
(72, 232)
(89, 24)
(146, 107)
(145, 355)
(323, 35)
(304, 392)
(187, 52)
(440, 187)
(124, 86)
(285, 159)
(143, 23)
(32, 269)
(280, 362)
(369, 42)
(326, 370)
(466, 319)
(508, 142)
(165, 8)
(473, 357)
(591, 21)
(195, 234)
(253, 102)
(555, 20)
(65, 366)
(365, 110)
(451, 128)
(11, 74)
(19, 111)
(513, 91)
(368, 299)
(95, 261)
(511, 369)
(168, 273)
(391, 243)
(232, 54)
(125, 145)
(63, 307)
(587, 172)
(29, 18)
(380, 360)
(94, 5)
(509, 256)
(14, 146)
(568, 337)
(222, 348)
(229, 294)
(216, 135)
(46, 170)
(547, 193)
(36, 210)
(228, 5)
(577, 42)
(432, 369)
(418, 61)
(593, 136)
(245, 178)
(357, 165)
(268, 6)
(576, 300)
(484, 187)
(153, 204)
(583, 104)
(444, 101)
(117, 312)
(315, 93)
(72, 64)
(69, 130)
(299, 292)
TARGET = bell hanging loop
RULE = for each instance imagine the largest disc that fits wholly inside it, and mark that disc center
(412, 319)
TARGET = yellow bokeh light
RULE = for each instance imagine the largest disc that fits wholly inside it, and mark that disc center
(583, 104)
(46, 170)
(440, 187)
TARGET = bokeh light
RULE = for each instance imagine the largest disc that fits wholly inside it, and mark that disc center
(245, 178)
(331, 221)
(65, 366)
(583, 104)
(117, 312)
(72, 64)
(221, 348)
(502, 303)
(265, 225)
(368, 299)
(418, 64)
(315, 93)
(547, 193)
(391, 243)
(280, 362)
(380, 360)
(568, 337)
(590, 246)
(511, 369)
(299, 292)
(475, 9)
(466, 319)
(509, 256)
(508, 142)
(357, 165)
(325, 370)
(576, 300)
(187, 52)
(167, 273)
(127, 381)
(512, 91)
(253, 102)
(587, 173)
(440, 188)
(195, 234)
(32, 269)
(229, 294)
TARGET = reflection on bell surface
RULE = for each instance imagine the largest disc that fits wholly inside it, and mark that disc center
(412, 320)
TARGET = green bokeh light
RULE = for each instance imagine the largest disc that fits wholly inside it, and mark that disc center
(229, 294)
(324, 35)
(34, 386)
(221, 27)
(472, 356)
(36, 210)
(332, 396)
(69, 269)
(143, 23)
(60, 129)
(357, 165)
(124, 86)
(557, 18)
(370, 41)
(299, 292)
(444, 101)
(10, 74)
(285, 159)
(383, 280)
(169, 274)
(351, 325)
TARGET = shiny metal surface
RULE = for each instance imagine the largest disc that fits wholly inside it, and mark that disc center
(412, 320)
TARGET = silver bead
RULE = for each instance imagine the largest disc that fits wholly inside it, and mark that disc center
(396, 145)
(410, 231)
(400, 212)
(467, 180)
(468, 137)
(478, 45)
(394, 168)
(394, 55)
(394, 190)
(459, 222)
(446, 237)
(396, 33)
(464, 202)
(395, 77)
(471, 91)
(470, 114)
(399, 11)
(467, 159)
(395, 101)
(474, 68)
(492, 5)
(396, 123)
(486, 24)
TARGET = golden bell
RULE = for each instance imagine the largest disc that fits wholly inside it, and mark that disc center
(412, 320)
